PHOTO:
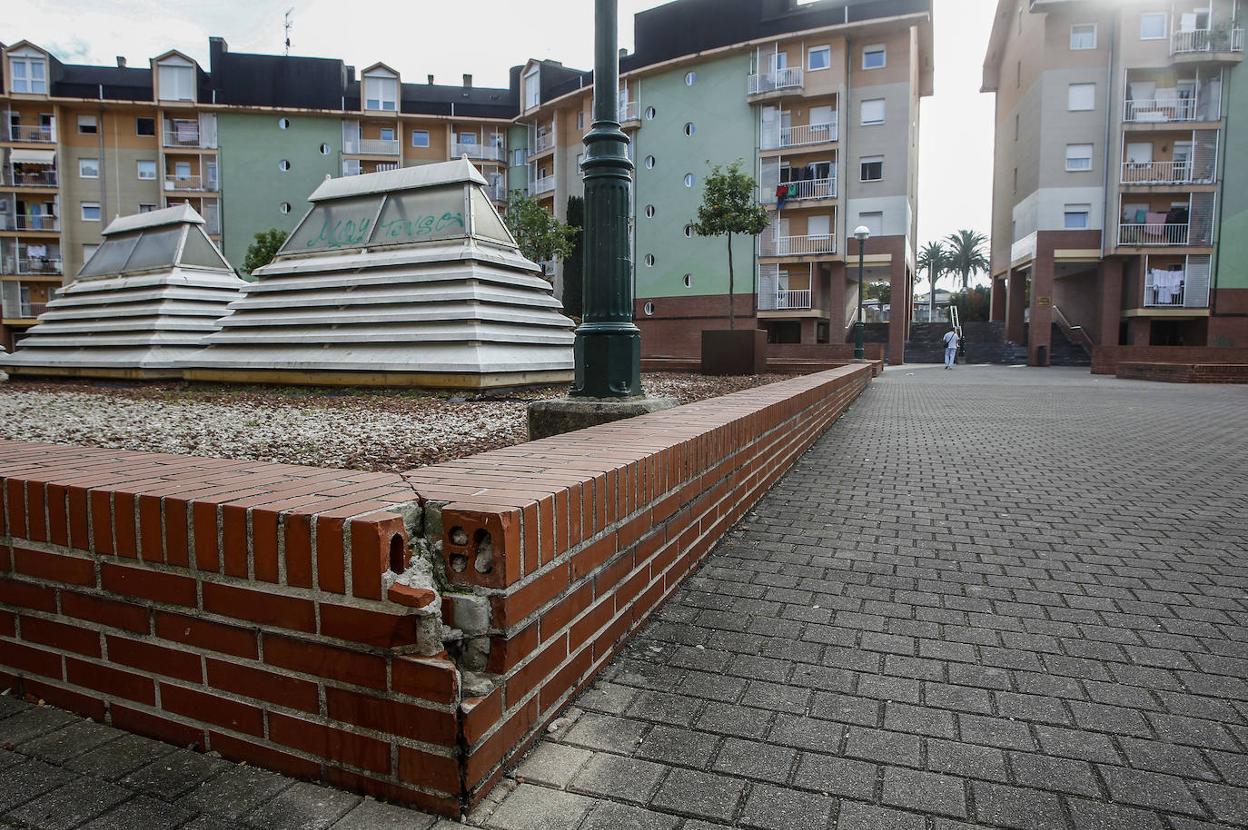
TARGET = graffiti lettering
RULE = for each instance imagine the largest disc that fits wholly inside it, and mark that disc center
(345, 233)
(354, 233)
(430, 225)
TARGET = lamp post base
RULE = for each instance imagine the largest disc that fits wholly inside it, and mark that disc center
(860, 351)
(555, 417)
(608, 363)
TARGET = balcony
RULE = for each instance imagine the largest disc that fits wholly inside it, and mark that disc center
(183, 135)
(29, 222)
(32, 135)
(176, 182)
(546, 184)
(1161, 110)
(1173, 289)
(629, 111)
(482, 152)
(801, 135)
(497, 190)
(1164, 172)
(1153, 235)
(375, 147)
(50, 266)
(23, 178)
(784, 299)
(777, 80)
(545, 141)
(798, 191)
(1207, 42)
(812, 245)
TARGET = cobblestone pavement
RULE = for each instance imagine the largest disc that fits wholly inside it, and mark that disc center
(994, 597)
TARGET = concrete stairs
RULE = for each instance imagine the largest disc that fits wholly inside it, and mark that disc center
(984, 343)
(1064, 352)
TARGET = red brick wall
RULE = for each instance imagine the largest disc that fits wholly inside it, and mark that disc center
(246, 607)
(1105, 359)
(1185, 372)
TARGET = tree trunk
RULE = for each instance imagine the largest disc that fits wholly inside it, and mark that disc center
(732, 316)
(931, 301)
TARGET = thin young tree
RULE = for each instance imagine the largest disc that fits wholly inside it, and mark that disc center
(966, 254)
(935, 259)
(263, 248)
(541, 237)
(730, 206)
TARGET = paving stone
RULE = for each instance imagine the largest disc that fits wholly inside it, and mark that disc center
(608, 698)
(1016, 808)
(77, 801)
(773, 808)
(32, 722)
(807, 733)
(235, 791)
(924, 791)
(607, 733)
(1057, 774)
(673, 709)
(175, 774)
(24, 782)
(1097, 815)
(303, 807)
(1228, 804)
(836, 776)
(141, 813)
(919, 720)
(861, 711)
(1071, 743)
(374, 815)
(1150, 789)
(757, 761)
(118, 758)
(619, 777)
(553, 765)
(966, 760)
(75, 739)
(884, 747)
(609, 815)
(998, 732)
(855, 816)
(678, 746)
(699, 794)
(727, 719)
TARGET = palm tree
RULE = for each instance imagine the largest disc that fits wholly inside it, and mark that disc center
(966, 254)
(935, 258)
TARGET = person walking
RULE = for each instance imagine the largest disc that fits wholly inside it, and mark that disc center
(951, 347)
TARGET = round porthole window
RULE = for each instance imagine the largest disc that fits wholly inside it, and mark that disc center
(649, 162)
(283, 165)
(691, 78)
(284, 207)
(689, 180)
(650, 113)
(649, 211)
(648, 309)
(688, 280)
(690, 129)
(283, 123)
(689, 231)
(649, 260)
(326, 149)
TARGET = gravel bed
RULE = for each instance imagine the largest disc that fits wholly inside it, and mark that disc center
(354, 429)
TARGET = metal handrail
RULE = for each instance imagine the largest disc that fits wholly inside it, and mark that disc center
(1073, 333)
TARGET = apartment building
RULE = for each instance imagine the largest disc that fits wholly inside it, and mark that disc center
(818, 100)
(1112, 190)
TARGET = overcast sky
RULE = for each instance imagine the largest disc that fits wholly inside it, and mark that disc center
(486, 37)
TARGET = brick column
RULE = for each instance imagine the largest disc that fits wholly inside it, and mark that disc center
(1139, 331)
(1111, 301)
(897, 320)
(1015, 319)
(1041, 307)
(997, 307)
(836, 303)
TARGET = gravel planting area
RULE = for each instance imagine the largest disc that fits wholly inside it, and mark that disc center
(356, 429)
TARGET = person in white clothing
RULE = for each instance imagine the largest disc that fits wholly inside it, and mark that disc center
(951, 347)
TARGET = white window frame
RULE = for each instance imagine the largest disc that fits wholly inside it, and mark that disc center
(27, 83)
(87, 124)
(863, 161)
(819, 50)
(1072, 157)
(94, 162)
(1095, 33)
(1070, 97)
(1165, 25)
(84, 206)
(867, 216)
(1076, 210)
(872, 49)
(382, 88)
(147, 207)
(531, 88)
(138, 170)
(519, 157)
(862, 112)
(416, 144)
(171, 74)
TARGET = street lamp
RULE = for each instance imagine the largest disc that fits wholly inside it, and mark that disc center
(862, 233)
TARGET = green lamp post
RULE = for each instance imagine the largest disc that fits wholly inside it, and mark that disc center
(607, 350)
(862, 233)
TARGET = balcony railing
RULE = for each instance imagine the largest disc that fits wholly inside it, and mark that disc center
(801, 190)
(1161, 110)
(484, 152)
(497, 190)
(1150, 235)
(25, 178)
(32, 265)
(29, 222)
(32, 134)
(824, 243)
(543, 143)
(1168, 289)
(1206, 40)
(376, 147)
(784, 299)
(776, 80)
(802, 135)
(1161, 172)
(182, 135)
(190, 183)
(546, 184)
(629, 111)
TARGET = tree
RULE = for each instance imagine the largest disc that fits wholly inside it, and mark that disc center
(966, 254)
(574, 266)
(935, 259)
(973, 303)
(729, 206)
(263, 248)
(540, 235)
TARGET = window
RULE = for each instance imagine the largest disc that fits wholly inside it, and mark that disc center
(283, 165)
(88, 168)
(649, 211)
(283, 208)
(689, 231)
(690, 128)
(177, 80)
(819, 58)
(1018, 125)
(518, 156)
(650, 113)
(690, 180)
(88, 125)
(691, 78)
(90, 211)
(650, 162)
(873, 57)
(648, 309)
(532, 89)
(144, 125)
(1153, 26)
(386, 133)
(283, 123)
(580, 120)
(688, 280)
(326, 149)
(872, 168)
(1083, 36)
(1081, 97)
(1075, 217)
(147, 170)
(874, 221)
(1020, 20)
(1078, 157)
(649, 260)
(182, 170)
(146, 207)
(873, 111)
(381, 92)
(28, 73)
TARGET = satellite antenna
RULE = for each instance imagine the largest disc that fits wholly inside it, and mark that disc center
(287, 25)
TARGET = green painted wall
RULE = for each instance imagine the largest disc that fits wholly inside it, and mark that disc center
(724, 131)
(1233, 233)
(517, 176)
(253, 187)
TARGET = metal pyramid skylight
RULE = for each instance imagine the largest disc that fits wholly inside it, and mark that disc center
(147, 297)
(405, 277)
